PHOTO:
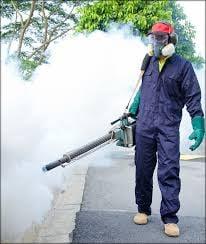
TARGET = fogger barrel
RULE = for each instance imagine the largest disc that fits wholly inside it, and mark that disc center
(78, 152)
(123, 134)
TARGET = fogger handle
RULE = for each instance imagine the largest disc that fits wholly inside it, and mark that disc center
(120, 118)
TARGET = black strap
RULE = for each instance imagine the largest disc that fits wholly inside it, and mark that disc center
(144, 66)
(145, 62)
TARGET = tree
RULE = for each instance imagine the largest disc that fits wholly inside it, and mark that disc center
(32, 25)
(142, 14)
(97, 15)
(186, 34)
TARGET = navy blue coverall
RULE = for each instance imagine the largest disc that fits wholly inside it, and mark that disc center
(163, 95)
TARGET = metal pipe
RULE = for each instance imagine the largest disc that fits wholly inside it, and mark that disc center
(68, 157)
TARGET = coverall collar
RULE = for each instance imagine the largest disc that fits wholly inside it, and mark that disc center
(169, 59)
(155, 61)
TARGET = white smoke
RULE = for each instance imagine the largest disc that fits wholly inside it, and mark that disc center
(69, 101)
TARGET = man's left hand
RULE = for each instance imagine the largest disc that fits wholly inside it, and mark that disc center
(198, 133)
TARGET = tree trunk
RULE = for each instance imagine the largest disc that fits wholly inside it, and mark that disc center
(25, 27)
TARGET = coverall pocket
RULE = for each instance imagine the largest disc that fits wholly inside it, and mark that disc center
(171, 115)
(172, 86)
(147, 77)
(147, 115)
(148, 72)
(177, 115)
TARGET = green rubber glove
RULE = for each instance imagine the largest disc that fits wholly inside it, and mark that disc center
(135, 104)
(198, 133)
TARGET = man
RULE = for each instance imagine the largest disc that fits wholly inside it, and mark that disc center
(168, 83)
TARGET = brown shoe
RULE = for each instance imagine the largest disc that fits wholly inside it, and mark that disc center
(141, 219)
(172, 230)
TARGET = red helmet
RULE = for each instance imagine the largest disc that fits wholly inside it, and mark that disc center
(162, 27)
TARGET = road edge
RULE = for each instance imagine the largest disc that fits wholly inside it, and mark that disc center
(59, 223)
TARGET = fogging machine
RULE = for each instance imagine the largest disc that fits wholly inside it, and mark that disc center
(123, 134)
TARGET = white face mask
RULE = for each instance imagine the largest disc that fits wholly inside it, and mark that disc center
(160, 46)
(168, 50)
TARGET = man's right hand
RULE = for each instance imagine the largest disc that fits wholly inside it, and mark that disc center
(135, 105)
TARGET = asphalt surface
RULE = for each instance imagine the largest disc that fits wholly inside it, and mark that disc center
(117, 227)
(108, 205)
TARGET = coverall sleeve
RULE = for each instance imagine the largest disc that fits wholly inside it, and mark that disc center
(191, 91)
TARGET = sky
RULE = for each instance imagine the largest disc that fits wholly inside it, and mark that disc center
(195, 11)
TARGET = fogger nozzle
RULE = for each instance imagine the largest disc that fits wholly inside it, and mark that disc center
(44, 169)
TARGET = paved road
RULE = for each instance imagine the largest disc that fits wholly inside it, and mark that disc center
(108, 206)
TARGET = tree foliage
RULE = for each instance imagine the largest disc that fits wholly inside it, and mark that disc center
(142, 14)
(186, 34)
(32, 25)
(98, 15)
